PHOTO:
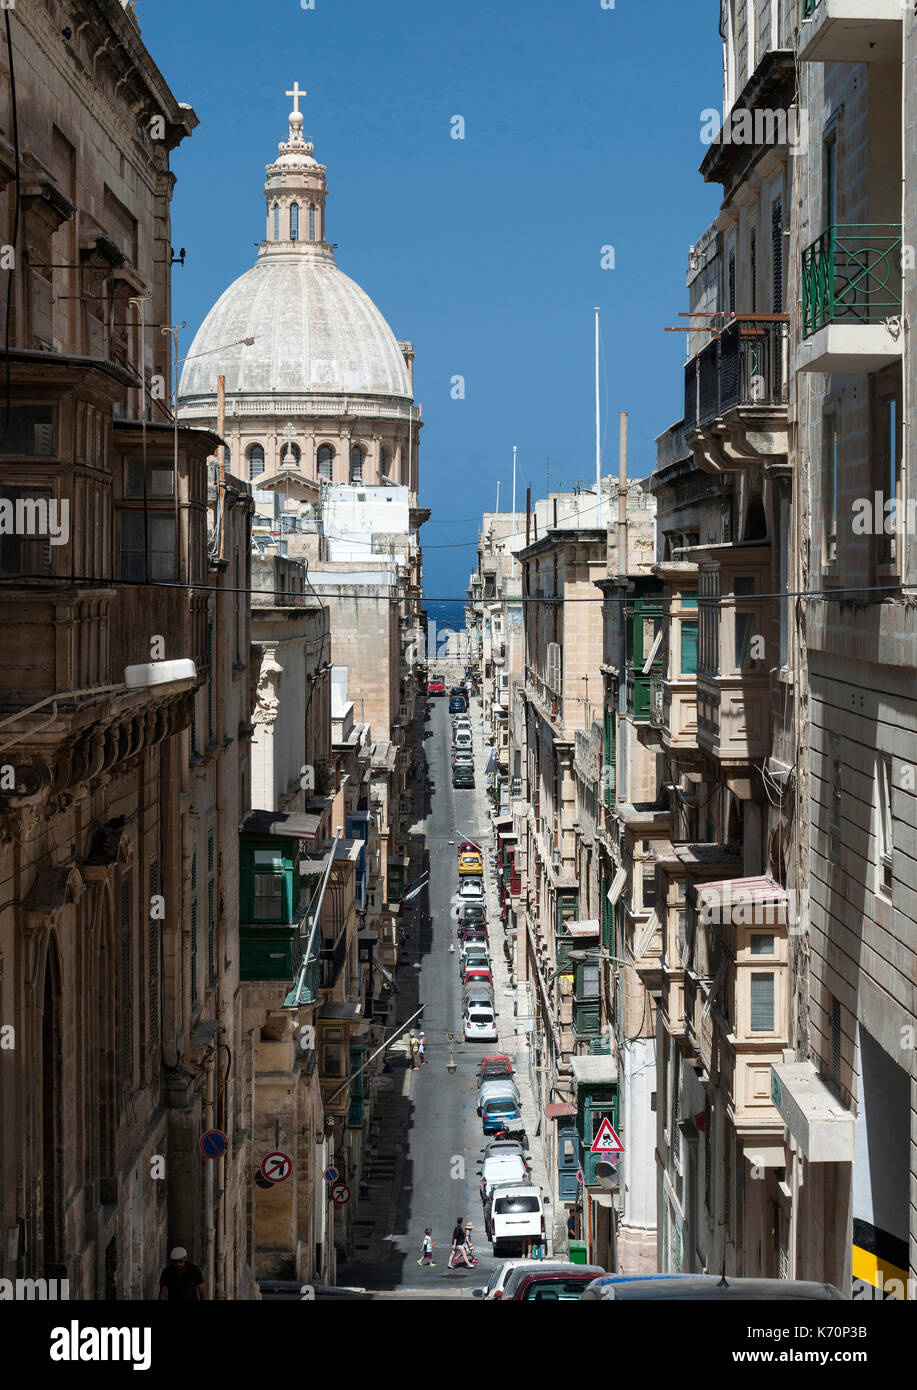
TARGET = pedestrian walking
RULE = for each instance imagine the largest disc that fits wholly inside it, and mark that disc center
(468, 1247)
(427, 1247)
(415, 1047)
(181, 1279)
(458, 1245)
(422, 1049)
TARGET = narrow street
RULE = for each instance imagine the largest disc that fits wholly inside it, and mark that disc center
(424, 1170)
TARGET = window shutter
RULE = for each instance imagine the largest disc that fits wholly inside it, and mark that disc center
(777, 256)
(194, 928)
(126, 983)
(154, 955)
(688, 649)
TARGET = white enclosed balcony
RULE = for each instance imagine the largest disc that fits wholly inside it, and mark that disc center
(850, 31)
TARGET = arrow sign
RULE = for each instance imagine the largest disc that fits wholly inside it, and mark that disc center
(340, 1194)
(276, 1167)
(606, 1141)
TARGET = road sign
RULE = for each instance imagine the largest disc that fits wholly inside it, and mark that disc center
(331, 1175)
(579, 1176)
(276, 1167)
(606, 1141)
(340, 1194)
(213, 1144)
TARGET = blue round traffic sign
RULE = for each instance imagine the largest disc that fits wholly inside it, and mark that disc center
(214, 1143)
(331, 1175)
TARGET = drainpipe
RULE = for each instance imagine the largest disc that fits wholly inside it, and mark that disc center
(622, 493)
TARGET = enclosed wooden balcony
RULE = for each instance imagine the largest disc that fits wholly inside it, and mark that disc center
(737, 393)
(734, 652)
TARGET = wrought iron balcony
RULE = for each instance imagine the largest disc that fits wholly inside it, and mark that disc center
(744, 367)
(850, 31)
(851, 299)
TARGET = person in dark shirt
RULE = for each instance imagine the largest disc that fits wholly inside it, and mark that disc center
(180, 1279)
(458, 1245)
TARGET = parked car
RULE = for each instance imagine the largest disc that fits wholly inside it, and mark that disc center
(502, 1086)
(463, 755)
(712, 1287)
(497, 1281)
(479, 1024)
(477, 974)
(463, 777)
(472, 948)
(457, 704)
(514, 1214)
(471, 864)
(457, 690)
(472, 914)
(476, 935)
(471, 890)
(479, 961)
(436, 686)
(553, 1280)
(494, 1057)
(468, 847)
(498, 1113)
(462, 745)
(494, 1072)
(478, 996)
(461, 721)
(498, 1146)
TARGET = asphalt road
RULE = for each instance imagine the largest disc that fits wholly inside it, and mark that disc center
(440, 1134)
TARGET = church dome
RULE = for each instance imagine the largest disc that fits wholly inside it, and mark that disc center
(315, 332)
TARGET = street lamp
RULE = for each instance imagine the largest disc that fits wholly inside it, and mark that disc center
(450, 1065)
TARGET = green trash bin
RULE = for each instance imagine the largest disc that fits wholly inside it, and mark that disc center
(577, 1251)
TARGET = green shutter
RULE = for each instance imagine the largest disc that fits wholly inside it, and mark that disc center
(688, 649)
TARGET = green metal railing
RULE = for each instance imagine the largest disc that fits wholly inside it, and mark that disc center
(851, 274)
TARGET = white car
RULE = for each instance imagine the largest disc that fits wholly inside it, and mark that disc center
(479, 1024)
(462, 740)
(503, 1167)
(496, 1282)
(474, 947)
(471, 890)
(516, 1214)
(496, 1090)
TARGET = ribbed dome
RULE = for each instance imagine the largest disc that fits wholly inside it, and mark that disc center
(315, 330)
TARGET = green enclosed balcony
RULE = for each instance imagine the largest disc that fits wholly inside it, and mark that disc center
(850, 31)
(851, 299)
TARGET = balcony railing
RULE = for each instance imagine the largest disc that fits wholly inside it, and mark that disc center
(852, 275)
(746, 365)
(809, 7)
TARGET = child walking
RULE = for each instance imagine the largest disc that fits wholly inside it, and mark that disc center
(426, 1249)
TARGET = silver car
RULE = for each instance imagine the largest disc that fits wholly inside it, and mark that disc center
(497, 1090)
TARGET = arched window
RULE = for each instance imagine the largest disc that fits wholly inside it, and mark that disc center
(276, 221)
(311, 221)
(255, 460)
(294, 222)
(325, 462)
(356, 464)
(290, 455)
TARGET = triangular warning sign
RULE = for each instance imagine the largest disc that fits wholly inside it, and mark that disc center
(606, 1141)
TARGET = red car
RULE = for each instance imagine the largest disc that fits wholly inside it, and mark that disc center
(479, 975)
(436, 686)
(495, 1057)
(557, 1281)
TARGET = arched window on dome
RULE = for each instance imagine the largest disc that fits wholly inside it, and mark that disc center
(294, 222)
(290, 455)
(276, 221)
(311, 221)
(325, 462)
(255, 461)
(356, 464)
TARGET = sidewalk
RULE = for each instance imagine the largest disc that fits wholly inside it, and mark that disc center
(515, 1045)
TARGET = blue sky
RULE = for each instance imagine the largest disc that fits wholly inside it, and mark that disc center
(582, 130)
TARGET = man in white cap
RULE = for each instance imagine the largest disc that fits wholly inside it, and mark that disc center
(180, 1279)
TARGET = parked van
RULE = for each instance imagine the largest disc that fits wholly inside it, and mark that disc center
(516, 1215)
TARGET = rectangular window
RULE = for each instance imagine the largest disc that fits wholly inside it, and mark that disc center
(25, 542)
(886, 844)
(753, 270)
(267, 904)
(762, 944)
(332, 1052)
(28, 432)
(762, 1002)
(889, 477)
(829, 165)
(746, 625)
(709, 623)
(777, 257)
(829, 478)
(688, 649)
(159, 479)
(650, 888)
(162, 548)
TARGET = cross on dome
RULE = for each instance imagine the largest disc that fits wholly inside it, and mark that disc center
(296, 93)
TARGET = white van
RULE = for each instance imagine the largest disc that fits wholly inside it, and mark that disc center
(516, 1216)
(462, 741)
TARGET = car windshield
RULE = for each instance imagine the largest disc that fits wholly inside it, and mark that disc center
(501, 1107)
(554, 1289)
(505, 1206)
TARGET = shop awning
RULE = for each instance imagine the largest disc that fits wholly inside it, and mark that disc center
(817, 1119)
(601, 1070)
(587, 927)
(560, 1110)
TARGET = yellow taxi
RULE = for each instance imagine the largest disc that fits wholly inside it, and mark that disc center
(470, 862)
